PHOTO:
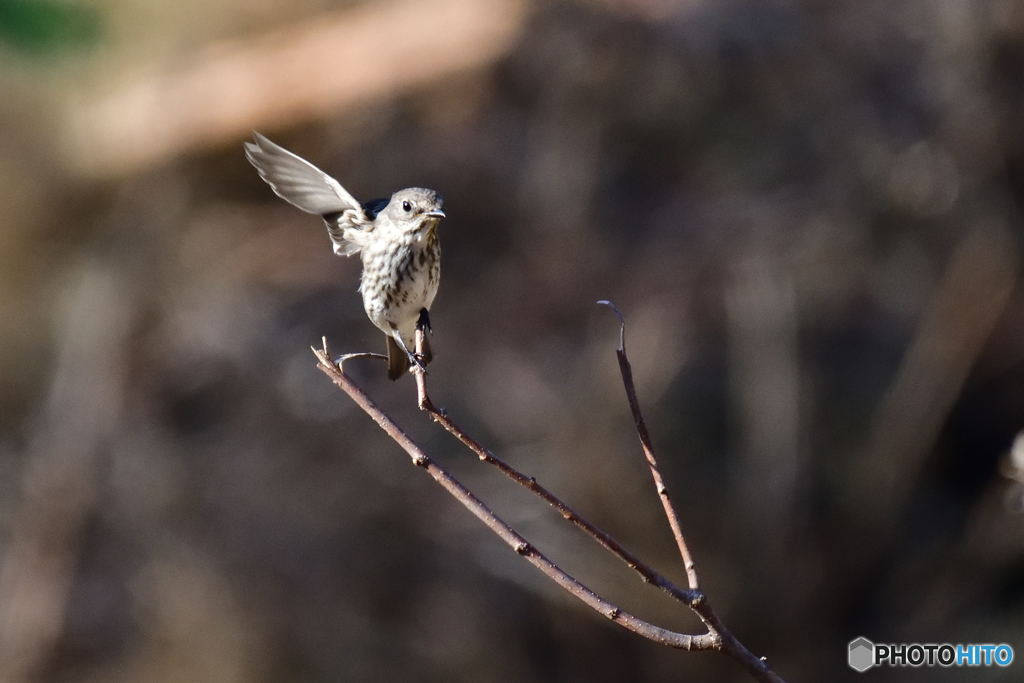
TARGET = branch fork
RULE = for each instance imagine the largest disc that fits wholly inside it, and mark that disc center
(717, 636)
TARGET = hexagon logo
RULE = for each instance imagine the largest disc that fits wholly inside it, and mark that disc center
(862, 654)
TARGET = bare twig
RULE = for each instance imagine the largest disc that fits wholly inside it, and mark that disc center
(647, 573)
(717, 637)
(730, 644)
(707, 641)
(645, 442)
(340, 360)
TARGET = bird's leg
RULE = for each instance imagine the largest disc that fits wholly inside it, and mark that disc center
(424, 322)
(413, 358)
(424, 329)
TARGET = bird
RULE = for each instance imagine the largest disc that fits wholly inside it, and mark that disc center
(397, 240)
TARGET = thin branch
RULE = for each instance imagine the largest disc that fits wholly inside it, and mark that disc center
(718, 636)
(645, 442)
(340, 360)
(707, 641)
(730, 644)
(647, 573)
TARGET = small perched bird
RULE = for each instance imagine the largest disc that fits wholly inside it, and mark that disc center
(397, 240)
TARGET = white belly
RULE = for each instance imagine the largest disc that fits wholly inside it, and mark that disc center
(393, 297)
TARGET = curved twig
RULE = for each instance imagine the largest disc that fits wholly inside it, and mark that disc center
(707, 641)
(645, 441)
(717, 637)
(647, 573)
(730, 644)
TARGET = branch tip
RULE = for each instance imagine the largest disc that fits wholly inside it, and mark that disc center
(622, 323)
(717, 637)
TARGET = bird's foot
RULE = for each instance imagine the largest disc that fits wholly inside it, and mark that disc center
(414, 358)
(417, 360)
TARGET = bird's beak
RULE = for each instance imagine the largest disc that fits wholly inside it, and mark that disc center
(435, 214)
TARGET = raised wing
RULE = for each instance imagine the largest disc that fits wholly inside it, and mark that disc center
(297, 181)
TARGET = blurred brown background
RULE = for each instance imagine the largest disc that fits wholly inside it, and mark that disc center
(809, 212)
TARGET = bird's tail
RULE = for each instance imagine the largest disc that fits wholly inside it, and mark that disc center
(398, 361)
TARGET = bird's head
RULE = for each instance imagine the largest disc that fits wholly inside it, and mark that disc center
(415, 208)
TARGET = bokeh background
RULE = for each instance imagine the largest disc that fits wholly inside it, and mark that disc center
(809, 213)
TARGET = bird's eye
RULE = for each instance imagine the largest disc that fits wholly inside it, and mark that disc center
(407, 206)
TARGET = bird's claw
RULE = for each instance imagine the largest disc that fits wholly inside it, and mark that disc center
(414, 358)
(417, 360)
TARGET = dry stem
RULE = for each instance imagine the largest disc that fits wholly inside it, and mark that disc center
(647, 573)
(717, 637)
(645, 442)
(520, 545)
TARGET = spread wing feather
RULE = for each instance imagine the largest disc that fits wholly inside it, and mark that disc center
(297, 181)
(305, 186)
